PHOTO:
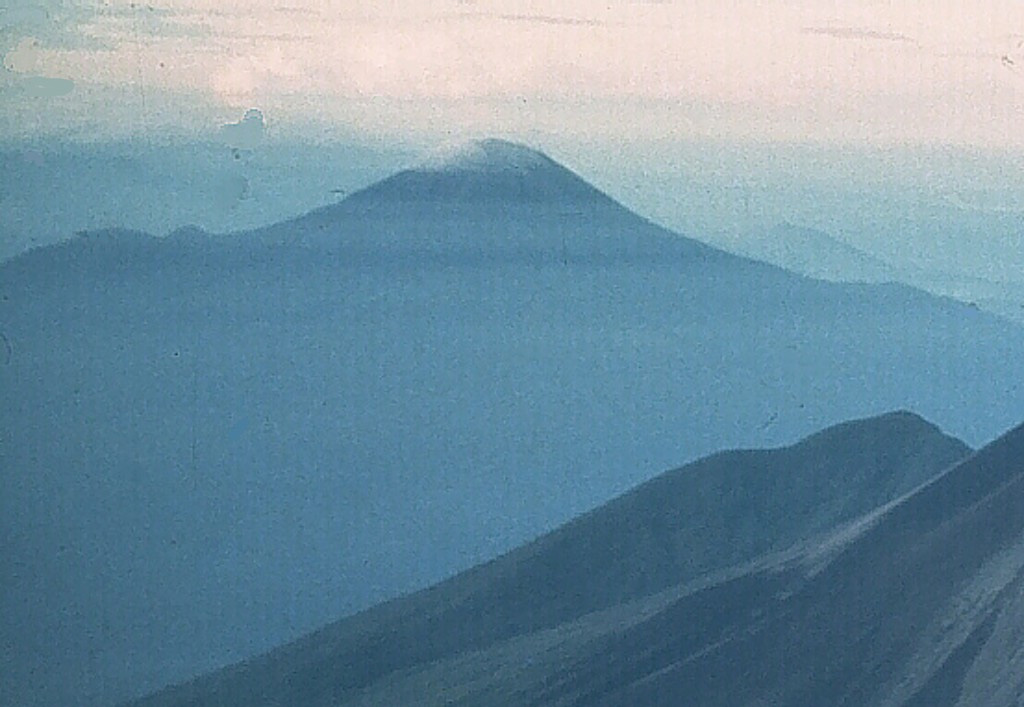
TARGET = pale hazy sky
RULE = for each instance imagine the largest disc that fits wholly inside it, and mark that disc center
(945, 71)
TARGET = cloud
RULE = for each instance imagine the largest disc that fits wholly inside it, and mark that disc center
(857, 33)
(789, 68)
(551, 20)
(247, 133)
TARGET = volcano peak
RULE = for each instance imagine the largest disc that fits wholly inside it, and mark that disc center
(484, 156)
(481, 171)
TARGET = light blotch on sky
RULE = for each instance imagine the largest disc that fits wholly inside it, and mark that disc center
(247, 132)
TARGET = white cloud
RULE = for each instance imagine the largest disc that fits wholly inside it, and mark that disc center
(788, 69)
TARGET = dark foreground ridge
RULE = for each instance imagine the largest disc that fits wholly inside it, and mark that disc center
(697, 521)
(915, 610)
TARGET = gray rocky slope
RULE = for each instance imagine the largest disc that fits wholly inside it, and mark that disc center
(580, 614)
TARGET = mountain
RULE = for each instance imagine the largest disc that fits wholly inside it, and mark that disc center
(484, 202)
(819, 255)
(921, 604)
(485, 170)
(1011, 309)
(213, 444)
(809, 252)
(1005, 298)
(722, 511)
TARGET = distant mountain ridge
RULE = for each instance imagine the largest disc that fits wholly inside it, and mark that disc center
(817, 254)
(723, 511)
(809, 252)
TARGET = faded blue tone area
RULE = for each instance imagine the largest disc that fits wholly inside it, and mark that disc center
(948, 209)
(216, 443)
(51, 190)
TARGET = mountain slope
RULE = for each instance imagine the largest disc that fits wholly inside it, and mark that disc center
(487, 202)
(214, 444)
(486, 170)
(722, 511)
(908, 613)
(919, 604)
(809, 252)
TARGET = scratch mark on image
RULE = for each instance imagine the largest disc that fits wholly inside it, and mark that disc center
(6, 350)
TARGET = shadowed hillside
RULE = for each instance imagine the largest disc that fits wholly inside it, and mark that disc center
(700, 519)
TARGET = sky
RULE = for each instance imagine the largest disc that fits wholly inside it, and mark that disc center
(867, 72)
